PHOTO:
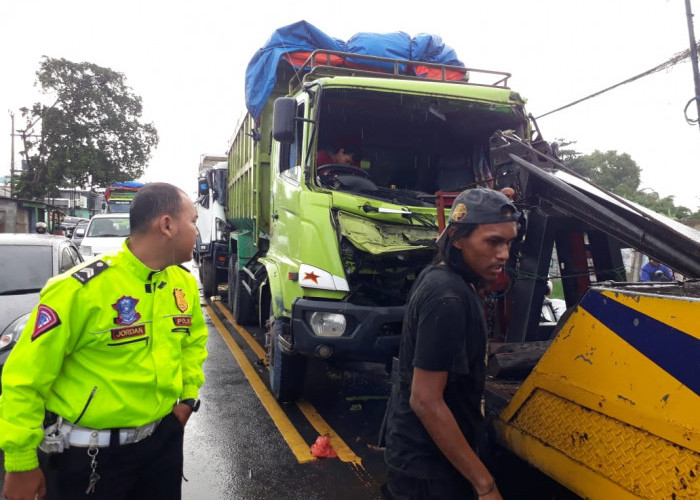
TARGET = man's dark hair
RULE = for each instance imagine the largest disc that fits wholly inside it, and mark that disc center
(151, 201)
(446, 251)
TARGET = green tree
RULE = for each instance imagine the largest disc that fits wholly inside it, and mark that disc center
(620, 174)
(666, 205)
(91, 131)
(615, 172)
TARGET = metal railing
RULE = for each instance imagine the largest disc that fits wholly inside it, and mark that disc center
(320, 62)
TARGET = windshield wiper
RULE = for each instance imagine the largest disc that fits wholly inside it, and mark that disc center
(422, 219)
(369, 208)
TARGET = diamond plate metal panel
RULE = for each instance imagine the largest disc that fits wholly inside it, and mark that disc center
(642, 463)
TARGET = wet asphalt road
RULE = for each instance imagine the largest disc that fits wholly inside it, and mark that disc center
(233, 449)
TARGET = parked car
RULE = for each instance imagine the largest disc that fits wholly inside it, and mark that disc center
(79, 231)
(27, 261)
(68, 225)
(105, 233)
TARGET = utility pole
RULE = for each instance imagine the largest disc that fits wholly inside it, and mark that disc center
(693, 56)
(12, 153)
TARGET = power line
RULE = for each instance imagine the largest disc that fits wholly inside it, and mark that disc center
(679, 57)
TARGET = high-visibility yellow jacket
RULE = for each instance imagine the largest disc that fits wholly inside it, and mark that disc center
(111, 344)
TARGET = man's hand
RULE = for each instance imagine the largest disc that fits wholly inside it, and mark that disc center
(428, 403)
(182, 412)
(25, 485)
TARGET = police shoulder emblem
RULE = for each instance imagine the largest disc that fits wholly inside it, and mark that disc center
(180, 299)
(126, 307)
(459, 212)
(46, 319)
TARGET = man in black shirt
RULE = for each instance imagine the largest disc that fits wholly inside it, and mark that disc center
(435, 417)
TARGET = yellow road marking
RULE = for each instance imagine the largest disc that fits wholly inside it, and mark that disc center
(341, 448)
(257, 348)
(296, 443)
(344, 452)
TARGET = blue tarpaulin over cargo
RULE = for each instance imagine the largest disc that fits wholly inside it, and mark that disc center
(128, 185)
(304, 37)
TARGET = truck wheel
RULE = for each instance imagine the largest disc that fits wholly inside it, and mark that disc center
(207, 275)
(287, 370)
(242, 303)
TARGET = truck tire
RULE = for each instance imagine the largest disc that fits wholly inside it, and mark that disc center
(207, 275)
(286, 370)
(241, 302)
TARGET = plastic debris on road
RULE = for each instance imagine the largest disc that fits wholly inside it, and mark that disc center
(323, 448)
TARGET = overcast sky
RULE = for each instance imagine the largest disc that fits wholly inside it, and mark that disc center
(187, 61)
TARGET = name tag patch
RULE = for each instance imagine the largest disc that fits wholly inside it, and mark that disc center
(129, 331)
(182, 320)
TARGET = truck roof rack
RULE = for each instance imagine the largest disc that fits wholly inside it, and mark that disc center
(333, 63)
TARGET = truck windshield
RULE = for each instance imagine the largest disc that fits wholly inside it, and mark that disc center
(119, 207)
(409, 146)
(219, 181)
(106, 227)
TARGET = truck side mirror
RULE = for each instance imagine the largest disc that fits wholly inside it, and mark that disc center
(203, 187)
(283, 115)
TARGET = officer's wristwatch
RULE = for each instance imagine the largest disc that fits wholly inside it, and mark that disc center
(192, 403)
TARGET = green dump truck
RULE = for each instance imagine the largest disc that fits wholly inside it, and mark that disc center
(325, 254)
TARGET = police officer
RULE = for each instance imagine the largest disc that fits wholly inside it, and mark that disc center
(434, 417)
(108, 369)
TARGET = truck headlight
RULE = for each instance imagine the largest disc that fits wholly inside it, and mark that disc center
(325, 324)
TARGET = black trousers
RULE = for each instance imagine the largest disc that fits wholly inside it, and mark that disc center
(148, 470)
(403, 487)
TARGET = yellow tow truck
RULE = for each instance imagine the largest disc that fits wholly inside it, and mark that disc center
(611, 409)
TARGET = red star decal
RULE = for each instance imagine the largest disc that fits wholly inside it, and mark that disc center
(311, 276)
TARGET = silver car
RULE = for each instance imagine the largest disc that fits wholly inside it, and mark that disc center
(27, 261)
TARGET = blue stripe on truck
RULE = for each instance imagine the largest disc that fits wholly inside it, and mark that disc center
(673, 350)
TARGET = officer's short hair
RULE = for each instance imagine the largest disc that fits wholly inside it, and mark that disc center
(153, 200)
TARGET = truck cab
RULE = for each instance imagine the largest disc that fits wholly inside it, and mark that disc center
(343, 243)
(211, 248)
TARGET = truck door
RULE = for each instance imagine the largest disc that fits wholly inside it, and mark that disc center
(286, 216)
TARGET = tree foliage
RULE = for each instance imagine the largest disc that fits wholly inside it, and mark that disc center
(615, 172)
(620, 174)
(91, 133)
